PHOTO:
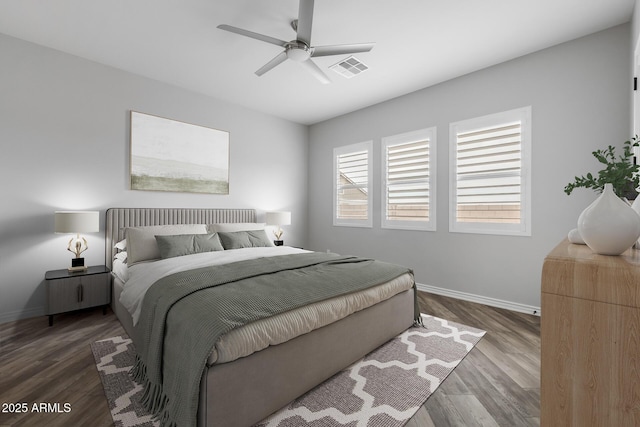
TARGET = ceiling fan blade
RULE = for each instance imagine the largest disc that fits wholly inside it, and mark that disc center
(305, 20)
(316, 71)
(253, 35)
(271, 64)
(342, 49)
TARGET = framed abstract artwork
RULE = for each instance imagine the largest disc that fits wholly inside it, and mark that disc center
(168, 155)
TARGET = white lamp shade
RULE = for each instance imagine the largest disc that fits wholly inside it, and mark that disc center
(278, 218)
(77, 222)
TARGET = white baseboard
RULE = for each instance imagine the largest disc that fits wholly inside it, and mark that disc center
(493, 302)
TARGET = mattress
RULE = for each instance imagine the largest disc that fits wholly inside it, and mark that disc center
(275, 330)
(261, 334)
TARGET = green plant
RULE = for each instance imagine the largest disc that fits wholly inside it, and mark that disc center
(620, 172)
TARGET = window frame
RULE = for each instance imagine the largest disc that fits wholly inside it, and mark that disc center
(475, 124)
(347, 149)
(429, 134)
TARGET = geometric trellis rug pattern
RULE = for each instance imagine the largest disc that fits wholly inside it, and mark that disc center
(385, 388)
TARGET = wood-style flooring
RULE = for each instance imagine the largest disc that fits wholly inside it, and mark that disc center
(497, 384)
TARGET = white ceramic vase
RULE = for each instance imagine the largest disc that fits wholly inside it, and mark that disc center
(609, 226)
(636, 207)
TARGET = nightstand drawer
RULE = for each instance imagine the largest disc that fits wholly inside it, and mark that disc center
(78, 292)
(69, 291)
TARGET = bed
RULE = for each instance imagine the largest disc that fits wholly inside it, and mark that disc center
(245, 389)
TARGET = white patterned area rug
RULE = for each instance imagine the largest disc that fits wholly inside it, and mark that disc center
(385, 388)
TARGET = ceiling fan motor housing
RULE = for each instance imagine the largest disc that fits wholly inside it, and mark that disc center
(298, 51)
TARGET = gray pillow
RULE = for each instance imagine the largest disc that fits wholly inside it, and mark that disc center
(141, 242)
(244, 239)
(187, 244)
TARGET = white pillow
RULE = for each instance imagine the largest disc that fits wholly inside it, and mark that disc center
(229, 227)
(121, 245)
(141, 241)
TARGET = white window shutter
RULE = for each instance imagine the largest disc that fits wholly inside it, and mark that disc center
(352, 181)
(490, 174)
(408, 180)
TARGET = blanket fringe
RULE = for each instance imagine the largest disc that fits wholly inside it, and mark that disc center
(153, 399)
(417, 315)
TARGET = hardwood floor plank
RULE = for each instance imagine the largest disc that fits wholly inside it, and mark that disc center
(496, 384)
(511, 337)
(529, 363)
(502, 361)
(443, 411)
(421, 419)
(500, 407)
(472, 411)
(517, 398)
(454, 385)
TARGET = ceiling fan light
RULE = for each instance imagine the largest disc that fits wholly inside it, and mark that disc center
(298, 53)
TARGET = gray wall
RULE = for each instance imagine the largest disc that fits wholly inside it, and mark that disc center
(64, 134)
(579, 92)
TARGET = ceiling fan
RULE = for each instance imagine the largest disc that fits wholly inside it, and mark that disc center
(300, 49)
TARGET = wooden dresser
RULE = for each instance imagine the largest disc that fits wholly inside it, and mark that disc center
(590, 361)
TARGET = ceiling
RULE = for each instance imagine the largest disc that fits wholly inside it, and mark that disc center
(419, 43)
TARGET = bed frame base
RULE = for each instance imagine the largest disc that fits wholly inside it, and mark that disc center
(245, 391)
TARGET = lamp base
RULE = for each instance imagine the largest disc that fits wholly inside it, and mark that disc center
(278, 242)
(77, 264)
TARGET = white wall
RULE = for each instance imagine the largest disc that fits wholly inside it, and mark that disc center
(579, 92)
(64, 139)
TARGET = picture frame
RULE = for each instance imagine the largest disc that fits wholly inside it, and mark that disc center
(170, 155)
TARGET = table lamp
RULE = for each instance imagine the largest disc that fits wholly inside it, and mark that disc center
(278, 219)
(77, 222)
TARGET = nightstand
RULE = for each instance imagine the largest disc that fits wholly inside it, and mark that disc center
(69, 291)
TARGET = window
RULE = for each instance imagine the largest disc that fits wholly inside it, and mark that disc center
(352, 185)
(409, 180)
(490, 185)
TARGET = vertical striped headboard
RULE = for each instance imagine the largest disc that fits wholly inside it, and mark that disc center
(120, 218)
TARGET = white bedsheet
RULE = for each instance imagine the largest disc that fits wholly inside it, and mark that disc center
(273, 330)
(141, 276)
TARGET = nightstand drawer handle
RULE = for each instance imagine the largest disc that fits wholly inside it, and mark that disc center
(80, 293)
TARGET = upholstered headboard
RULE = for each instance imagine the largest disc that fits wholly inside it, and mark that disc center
(120, 218)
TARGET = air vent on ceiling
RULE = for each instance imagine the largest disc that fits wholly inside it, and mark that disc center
(349, 67)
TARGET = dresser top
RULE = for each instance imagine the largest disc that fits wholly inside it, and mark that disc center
(580, 253)
(575, 271)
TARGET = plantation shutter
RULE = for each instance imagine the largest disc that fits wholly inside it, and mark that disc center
(352, 185)
(407, 189)
(489, 174)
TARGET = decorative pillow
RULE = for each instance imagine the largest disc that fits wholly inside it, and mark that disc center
(228, 227)
(141, 241)
(244, 239)
(187, 244)
(122, 256)
(121, 245)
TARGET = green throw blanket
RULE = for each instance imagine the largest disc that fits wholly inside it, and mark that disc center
(184, 314)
